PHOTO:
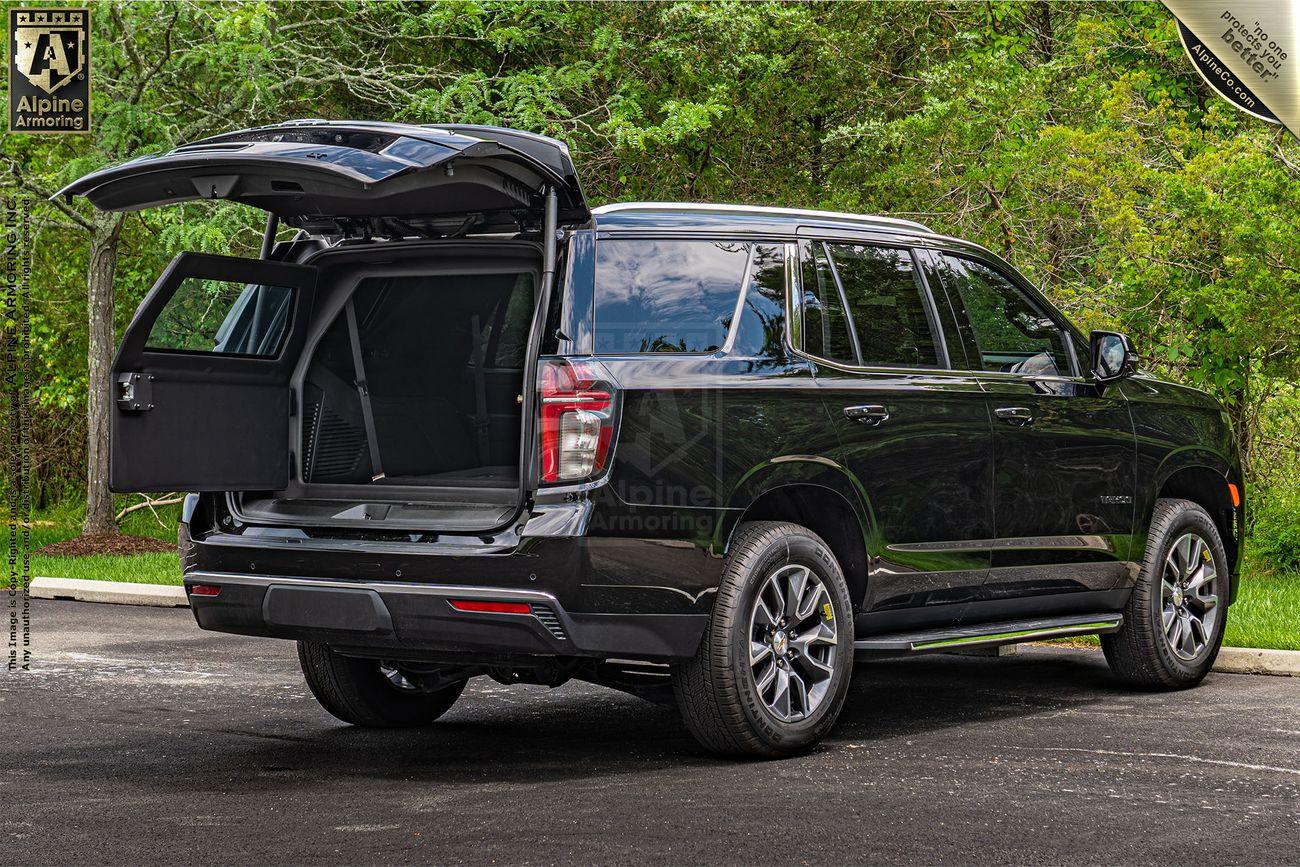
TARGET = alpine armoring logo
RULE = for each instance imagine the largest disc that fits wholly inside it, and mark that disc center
(49, 70)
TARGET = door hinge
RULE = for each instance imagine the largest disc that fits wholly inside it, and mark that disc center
(135, 392)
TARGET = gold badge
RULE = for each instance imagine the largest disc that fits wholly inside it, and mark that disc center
(49, 70)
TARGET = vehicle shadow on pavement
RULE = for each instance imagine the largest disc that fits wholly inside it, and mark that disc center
(531, 734)
(908, 696)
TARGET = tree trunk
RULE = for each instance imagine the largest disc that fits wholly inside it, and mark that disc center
(103, 267)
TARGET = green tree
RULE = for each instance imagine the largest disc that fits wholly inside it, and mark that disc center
(1073, 138)
(168, 73)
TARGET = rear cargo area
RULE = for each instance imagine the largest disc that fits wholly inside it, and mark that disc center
(411, 392)
(442, 362)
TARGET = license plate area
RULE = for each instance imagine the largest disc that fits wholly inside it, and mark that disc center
(335, 609)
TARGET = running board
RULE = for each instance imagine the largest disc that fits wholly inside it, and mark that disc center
(989, 634)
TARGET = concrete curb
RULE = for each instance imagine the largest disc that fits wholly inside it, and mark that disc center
(119, 592)
(1250, 660)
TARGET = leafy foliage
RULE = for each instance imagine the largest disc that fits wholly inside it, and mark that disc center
(1074, 139)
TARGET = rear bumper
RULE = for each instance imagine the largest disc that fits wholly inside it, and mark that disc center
(417, 619)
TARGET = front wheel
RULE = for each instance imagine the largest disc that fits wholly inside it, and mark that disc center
(1174, 621)
(772, 671)
(371, 693)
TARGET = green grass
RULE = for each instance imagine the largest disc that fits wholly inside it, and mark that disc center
(1266, 613)
(64, 522)
(161, 568)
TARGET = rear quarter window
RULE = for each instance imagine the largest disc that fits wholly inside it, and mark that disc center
(666, 295)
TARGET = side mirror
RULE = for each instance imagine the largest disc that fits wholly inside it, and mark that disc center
(1112, 356)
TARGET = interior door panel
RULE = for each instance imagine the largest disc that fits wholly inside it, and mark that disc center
(201, 398)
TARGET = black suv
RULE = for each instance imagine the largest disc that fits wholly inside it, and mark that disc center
(461, 424)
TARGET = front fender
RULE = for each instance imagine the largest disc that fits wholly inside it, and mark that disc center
(1187, 457)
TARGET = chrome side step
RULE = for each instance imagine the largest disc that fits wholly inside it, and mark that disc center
(989, 634)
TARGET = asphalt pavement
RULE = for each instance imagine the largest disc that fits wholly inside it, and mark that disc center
(138, 739)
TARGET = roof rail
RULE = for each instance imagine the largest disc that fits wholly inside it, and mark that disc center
(761, 209)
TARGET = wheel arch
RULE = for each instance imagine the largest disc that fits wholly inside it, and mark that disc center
(1203, 477)
(817, 494)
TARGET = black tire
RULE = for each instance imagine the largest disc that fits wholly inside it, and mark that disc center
(1139, 653)
(357, 692)
(716, 690)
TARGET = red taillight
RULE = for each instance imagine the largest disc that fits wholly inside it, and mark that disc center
(577, 418)
(480, 605)
(205, 590)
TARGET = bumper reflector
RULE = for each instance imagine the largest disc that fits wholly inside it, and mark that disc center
(205, 590)
(480, 605)
(1235, 493)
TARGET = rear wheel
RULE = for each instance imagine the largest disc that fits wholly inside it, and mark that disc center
(773, 669)
(372, 693)
(1174, 621)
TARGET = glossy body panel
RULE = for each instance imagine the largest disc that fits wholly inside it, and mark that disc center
(1063, 497)
(693, 429)
(1181, 432)
(1063, 446)
(927, 471)
(962, 517)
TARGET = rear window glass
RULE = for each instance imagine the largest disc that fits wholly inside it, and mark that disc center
(886, 305)
(825, 328)
(222, 318)
(666, 296)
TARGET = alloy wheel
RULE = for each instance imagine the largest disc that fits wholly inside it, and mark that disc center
(792, 642)
(1189, 598)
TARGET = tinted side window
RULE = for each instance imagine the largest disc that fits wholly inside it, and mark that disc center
(222, 318)
(762, 318)
(887, 305)
(825, 328)
(1009, 334)
(666, 296)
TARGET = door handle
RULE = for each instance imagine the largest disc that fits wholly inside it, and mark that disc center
(870, 414)
(1016, 415)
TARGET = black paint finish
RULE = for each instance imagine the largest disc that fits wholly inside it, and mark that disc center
(949, 493)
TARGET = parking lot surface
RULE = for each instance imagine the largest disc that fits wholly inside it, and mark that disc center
(136, 738)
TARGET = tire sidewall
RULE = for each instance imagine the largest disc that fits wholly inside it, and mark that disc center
(801, 550)
(1184, 520)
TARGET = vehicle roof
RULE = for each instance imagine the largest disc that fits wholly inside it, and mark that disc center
(707, 216)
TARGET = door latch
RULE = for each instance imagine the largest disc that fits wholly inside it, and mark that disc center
(135, 392)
